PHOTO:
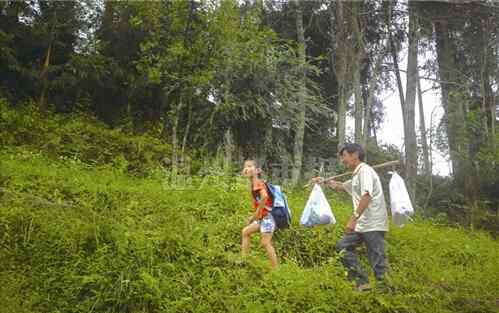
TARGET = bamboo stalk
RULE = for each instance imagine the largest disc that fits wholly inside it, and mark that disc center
(389, 163)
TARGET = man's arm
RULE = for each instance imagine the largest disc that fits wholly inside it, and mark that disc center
(363, 204)
(336, 185)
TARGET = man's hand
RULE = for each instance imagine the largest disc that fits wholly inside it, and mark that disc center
(350, 227)
(317, 180)
(336, 185)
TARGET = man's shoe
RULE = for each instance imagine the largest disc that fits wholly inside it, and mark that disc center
(383, 287)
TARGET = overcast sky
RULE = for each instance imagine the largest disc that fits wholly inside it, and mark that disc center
(392, 131)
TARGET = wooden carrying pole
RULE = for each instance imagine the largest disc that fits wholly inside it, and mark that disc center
(389, 163)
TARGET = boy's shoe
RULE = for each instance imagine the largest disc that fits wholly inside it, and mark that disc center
(363, 287)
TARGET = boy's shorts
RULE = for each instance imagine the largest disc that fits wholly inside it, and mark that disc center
(267, 224)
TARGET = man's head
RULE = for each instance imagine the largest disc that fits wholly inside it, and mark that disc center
(351, 154)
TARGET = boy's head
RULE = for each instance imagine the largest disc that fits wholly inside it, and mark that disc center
(251, 168)
(351, 154)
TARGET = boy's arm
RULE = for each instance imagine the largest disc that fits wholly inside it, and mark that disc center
(258, 212)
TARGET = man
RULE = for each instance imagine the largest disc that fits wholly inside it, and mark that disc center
(369, 221)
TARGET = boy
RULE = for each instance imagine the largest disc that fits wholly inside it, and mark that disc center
(261, 220)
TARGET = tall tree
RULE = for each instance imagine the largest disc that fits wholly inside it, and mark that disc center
(359, 53)
(371, 96)
(411, 152)
(341, 50)
(427, 171)
(57, 25)
(389, 8)
(453, 105)
(300, 126)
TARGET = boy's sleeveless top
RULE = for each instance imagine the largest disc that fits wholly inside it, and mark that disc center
(258, 189)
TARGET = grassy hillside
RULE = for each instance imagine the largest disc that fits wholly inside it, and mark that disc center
(82, 236)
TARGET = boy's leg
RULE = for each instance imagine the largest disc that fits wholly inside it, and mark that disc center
(375, 243)
(267, 244)
(348, 244)
(267, 228)
(246, 237)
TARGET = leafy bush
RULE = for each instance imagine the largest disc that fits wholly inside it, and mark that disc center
(79, 137)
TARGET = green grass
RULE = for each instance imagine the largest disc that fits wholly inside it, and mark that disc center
(80, 238)
(89, 223)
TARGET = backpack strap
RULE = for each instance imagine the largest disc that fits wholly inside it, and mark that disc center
(269, 190)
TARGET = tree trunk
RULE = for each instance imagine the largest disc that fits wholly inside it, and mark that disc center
(493, 121)
(229, 151)
(358, 110)
(431, 136)
(187, 129)
(367, 112)
(269, 145)
(333, 47)
(411, 152)
(359, 48)
(373, 129)
(422, 129)
(44, 78)
(394, 51)
(174, 121)
(365, 130)
(370, 101)
(46, 64)
(493, 109)
(300, 127)
(484, 83)
(453, 105)
(340, 66)
(174, 144)
(488, 98)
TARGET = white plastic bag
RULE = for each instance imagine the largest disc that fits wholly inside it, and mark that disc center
(399, 200)
(317, 210)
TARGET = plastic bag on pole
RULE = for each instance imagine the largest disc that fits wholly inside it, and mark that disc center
(317, 210)
(400, 202)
